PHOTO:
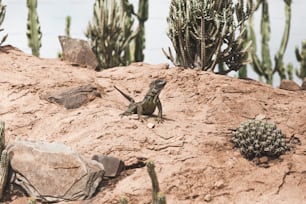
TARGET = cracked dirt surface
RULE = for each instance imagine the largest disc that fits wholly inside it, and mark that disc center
(195, 160)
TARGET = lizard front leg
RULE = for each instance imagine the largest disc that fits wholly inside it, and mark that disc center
(160, 111)
(139, 112)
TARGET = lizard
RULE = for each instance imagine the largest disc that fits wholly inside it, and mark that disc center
(148, 104)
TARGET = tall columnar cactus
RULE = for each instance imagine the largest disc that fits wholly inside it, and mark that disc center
(68, 24)
(2, 16)
(142, 16)
(4, 161)
(157, 196)
(263, 67)
(33, 28)
(110, 33)
(301, 57)
(205, 33)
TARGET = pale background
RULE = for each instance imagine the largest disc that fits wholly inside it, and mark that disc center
(52, 18)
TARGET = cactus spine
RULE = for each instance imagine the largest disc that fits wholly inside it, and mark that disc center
(2, 16)
(4, 161)
(33, 28)
(301, 57)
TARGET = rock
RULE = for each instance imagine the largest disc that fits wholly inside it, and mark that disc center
(150, 125)
(74, 97)
(207, 198)
(53, 172)
(289, 85)
(219, 184)
(264, 159)
(78, 51)
(260, 117)
(112, 165)
(303, 87)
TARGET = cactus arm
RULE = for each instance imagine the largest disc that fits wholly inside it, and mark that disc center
(301, 58)
(265, 50)
(4, 166)
(33, 28)
(279, 64)
(68, 24)
(4, 160)
(153, 177)
(143, 15)
(2, 136)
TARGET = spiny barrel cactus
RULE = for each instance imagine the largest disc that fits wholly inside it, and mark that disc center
(257, 138)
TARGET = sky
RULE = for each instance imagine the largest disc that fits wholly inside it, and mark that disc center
(52, 16)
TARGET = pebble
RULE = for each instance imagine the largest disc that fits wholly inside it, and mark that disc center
(207, 198)
(150, 125)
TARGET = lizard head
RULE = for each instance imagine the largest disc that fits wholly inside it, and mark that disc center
(156, 87)
(158, 84)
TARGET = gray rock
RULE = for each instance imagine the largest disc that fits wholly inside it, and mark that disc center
(78, 51)
(74, 97)
(289, 85)
(303, 87)
(112, 165)
(53, 172)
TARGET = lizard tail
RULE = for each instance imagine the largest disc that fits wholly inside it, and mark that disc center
(129, 98)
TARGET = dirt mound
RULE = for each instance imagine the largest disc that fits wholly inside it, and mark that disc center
(195, 160)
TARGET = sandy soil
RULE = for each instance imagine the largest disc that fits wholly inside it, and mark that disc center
(195, 160)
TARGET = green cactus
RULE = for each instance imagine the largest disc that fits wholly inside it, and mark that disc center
(263, 67)
(301, 57)
(68, 24)
(33, 28)
(2, 16)
(206, 33)
(124, 200)
(110, 33)
(4, 160)
(257, 138)
(32, 200)
(67, 33)
(157, 196)
(142, 16)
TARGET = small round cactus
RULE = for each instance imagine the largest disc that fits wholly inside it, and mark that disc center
(257, 138)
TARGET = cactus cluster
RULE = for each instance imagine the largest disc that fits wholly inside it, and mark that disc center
(205, 33)
(33, 28)
(257, 138)
(112, 35)
(2, 16)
